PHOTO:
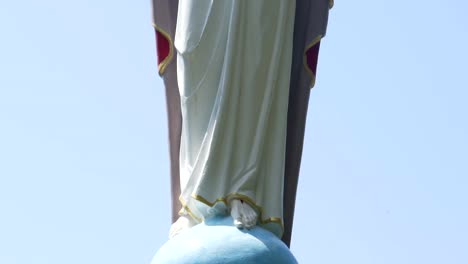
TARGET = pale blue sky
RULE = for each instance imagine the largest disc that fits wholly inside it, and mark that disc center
(83, 141)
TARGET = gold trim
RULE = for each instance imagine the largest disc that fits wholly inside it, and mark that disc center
(187, 209)
(304, 60)
(273, 220)
(231, 196)
(331, 3)
(163, 65)
(203, 200)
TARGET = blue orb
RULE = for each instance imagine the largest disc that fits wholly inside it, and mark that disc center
(218, 241)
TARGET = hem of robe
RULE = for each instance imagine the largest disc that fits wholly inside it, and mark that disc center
(163, 64)
(312, 75)
(263, 222)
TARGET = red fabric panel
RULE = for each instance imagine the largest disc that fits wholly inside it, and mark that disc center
(162, 46)
(312, 57)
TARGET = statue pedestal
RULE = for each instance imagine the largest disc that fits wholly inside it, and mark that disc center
(217, 240)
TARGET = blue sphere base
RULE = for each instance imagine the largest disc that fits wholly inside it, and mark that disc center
(218, 241)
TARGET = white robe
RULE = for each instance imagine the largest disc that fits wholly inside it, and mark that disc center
(233, 69)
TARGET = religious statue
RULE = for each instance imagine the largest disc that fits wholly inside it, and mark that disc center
(238, 75)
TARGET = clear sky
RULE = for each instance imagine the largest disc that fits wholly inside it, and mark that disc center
(83, 138)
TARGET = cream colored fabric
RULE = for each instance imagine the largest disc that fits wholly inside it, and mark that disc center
(233, 72)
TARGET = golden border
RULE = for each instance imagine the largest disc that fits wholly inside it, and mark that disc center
(245, 198)
(310, 45)
(225, 200)
(163, 65)
(187, 209)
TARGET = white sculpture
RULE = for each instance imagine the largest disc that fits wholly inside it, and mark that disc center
(227, 76)
(233, 72)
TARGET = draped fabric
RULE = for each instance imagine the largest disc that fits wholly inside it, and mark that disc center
(309, 28)
(233, 68)
(164, 22)
(310, 20)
